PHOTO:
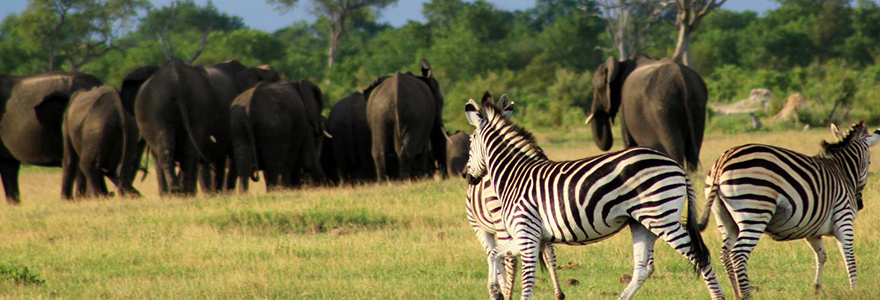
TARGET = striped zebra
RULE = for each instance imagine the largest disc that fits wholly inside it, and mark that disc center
(789, 196)
(582, 201)
(484, 215)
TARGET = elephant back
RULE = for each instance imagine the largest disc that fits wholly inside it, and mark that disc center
(132, 83)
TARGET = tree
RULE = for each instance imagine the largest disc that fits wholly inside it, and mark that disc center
(337, 12)
(628, 22)
(690, 13)
(80, 30)
(186, 18)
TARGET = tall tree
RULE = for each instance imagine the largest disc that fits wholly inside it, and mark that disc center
(78, 30)
(690, 13)
(628, 22)
(337, 12)
(186, 17)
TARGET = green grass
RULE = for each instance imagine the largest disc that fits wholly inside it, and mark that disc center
(379, 241)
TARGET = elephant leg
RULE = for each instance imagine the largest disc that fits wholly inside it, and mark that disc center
(310, 163)
(90, 166)
(160, 176)
(95, 185)
(206, 179)
(626, 136)
(69, 167)
(379, 160)
(230, 173)
(189, 172)
(219, 174)
(81, 184)
(9, 174)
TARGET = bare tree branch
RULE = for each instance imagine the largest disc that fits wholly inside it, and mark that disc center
(202, 44)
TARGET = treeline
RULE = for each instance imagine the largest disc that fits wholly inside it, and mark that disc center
(542, 57)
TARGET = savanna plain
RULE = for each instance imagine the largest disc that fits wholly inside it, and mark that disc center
(376, 241)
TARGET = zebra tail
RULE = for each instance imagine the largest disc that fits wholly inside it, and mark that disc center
(712, 185)
(701, 252)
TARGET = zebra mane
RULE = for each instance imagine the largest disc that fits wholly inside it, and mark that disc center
(500, 122)
(857, 130)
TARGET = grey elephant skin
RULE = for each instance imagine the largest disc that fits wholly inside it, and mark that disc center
(351, 142)
(182, 121)
(271, 132)
(457, 153)
(662, 106)
(228, 80)
(100, 139)
(30, 122)
(404, 112)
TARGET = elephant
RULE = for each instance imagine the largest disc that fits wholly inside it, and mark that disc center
(662, 106)
(457, 153)
(30, 122)
(229, 79)
(351, 141)
(271, 132)
(328, 160)
(131, 84)
(100, 139)
(178, 115)
(405, 115)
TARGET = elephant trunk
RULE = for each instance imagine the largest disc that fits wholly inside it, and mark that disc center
(601, 126)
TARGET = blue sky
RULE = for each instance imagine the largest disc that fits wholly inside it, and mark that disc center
(258, 14)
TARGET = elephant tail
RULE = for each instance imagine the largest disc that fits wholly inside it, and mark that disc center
(184, 112)
(692, 152)
(248, 127)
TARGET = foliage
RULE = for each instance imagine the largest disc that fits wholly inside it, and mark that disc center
(542, 56)
(20, 275)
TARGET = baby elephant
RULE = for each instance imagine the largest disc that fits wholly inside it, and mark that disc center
(100, 139)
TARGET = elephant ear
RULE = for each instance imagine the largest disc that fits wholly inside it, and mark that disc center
(372, 86)
(426, 68)
(473, 114)
(612, 69)
(50, 111)
(506, 106)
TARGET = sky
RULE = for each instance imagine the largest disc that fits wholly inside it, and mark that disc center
(261, 15)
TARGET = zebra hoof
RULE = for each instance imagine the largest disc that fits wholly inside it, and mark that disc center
(817, 288)
(497, 296)
(560, 296)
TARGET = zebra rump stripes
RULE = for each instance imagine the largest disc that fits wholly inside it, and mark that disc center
(583, 201)
(788, 195)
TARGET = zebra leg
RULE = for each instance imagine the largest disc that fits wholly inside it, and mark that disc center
(651, 262)
(742, 249)
(487, 240)
(494, 261)
(529, 251)
(508, 276)
(816, 244)
(670, 230)
(844, 237)
(643, 243)
(549, 257)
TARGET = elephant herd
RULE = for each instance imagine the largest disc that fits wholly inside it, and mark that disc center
(218, 126)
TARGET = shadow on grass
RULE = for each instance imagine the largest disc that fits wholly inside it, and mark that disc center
(310, 222)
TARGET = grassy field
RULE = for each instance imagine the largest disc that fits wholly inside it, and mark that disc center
(383, 241)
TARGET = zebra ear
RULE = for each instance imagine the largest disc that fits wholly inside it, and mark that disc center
(472, 112)
(506, 106)
(836, 131)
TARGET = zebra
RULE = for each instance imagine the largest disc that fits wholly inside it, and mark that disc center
(582, 201)
(484, 215)
(788, 195)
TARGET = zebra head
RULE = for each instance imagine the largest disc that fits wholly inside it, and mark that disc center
(852, 147)
(480, 115)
